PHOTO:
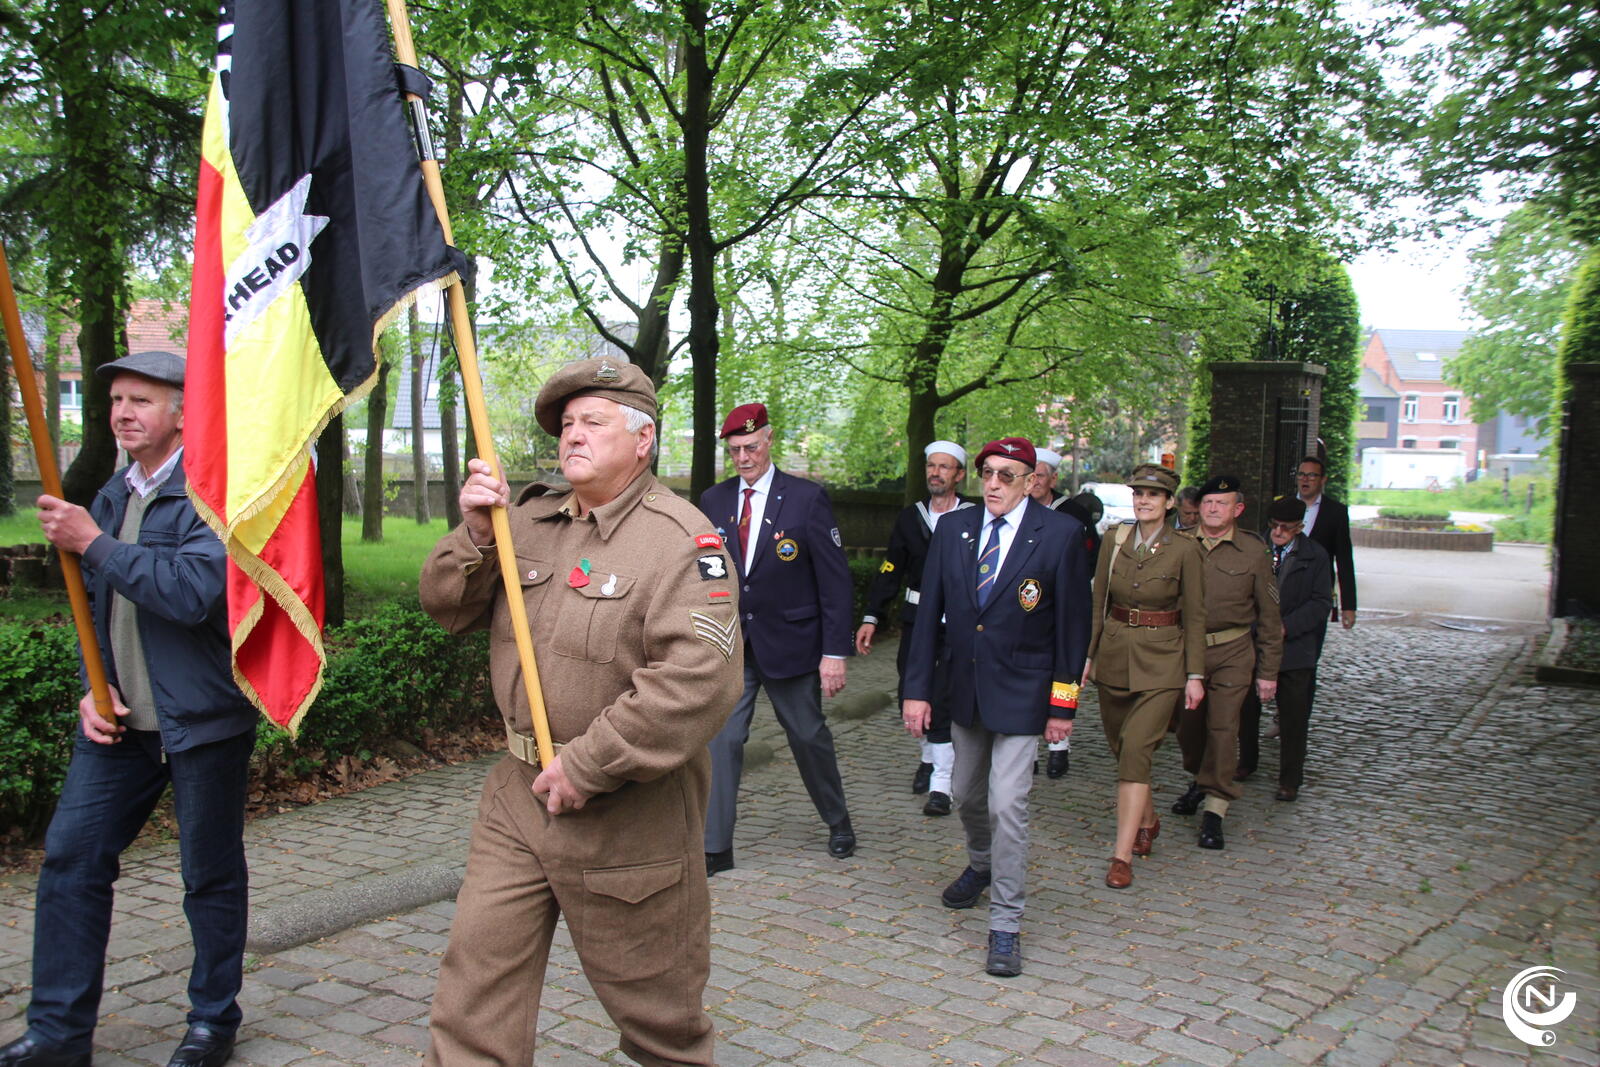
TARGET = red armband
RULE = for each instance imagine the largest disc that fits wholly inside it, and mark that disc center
(1064, 695)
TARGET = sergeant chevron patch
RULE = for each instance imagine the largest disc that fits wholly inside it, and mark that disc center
(716, 633)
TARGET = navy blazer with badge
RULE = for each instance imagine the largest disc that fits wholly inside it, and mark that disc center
(796, 602)
(1032, 635)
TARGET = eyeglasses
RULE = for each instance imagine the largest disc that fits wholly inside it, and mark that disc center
(746, 450)
(1309, 474)
(1006, 477)
(1286, 527)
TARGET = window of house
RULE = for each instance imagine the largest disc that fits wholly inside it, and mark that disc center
(1408, 407)
(1408, 442)
(1374, 413)
(1449, 442)
(1452, 408)
(71, 395)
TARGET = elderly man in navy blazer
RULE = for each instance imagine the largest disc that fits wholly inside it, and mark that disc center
(1011, 581)
(795, 604)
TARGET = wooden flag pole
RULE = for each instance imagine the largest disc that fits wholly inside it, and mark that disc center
(44, 451)
(472, 381)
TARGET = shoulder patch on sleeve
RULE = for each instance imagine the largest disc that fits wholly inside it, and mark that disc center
(708, 541)
(834, 533)
(718, 633)
(712, 567)
(887, 568)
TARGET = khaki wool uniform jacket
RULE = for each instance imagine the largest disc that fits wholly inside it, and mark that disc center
(1241, 591)
(1140, 658)
(641, 664)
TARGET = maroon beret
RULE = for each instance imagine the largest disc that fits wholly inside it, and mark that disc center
(1017, 448)
(746, 418)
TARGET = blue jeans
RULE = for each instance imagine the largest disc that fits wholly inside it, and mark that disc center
(109, 794)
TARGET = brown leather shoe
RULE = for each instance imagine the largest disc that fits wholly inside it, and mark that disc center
(1120, 876)
(1287, 792)
(1145, 836)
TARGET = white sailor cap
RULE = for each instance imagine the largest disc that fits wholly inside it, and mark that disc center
(949, 448)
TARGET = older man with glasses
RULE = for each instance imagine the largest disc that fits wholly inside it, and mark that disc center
(1011, 582)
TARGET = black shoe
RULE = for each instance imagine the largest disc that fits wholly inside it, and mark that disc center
(203, 1046)
(1036, 768)
(922, 779)
(719, 861)
(1058, 763)
(1005, 954)
(938, 804)
(966, 889)
(841, 840)
(26, 1051)
(1189, 803)
(1211, 831)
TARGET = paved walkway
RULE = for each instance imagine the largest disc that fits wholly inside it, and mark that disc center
(1445, 840)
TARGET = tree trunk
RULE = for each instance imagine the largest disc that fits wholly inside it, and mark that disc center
(350, 503)
(52, 378)
(452, 451)
(372, 492)
(703, 306)
(331, 448)
(419, 437)
(101, 305)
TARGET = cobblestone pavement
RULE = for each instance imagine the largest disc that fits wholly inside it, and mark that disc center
(1444, 841)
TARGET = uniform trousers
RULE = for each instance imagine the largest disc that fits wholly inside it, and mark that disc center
(625, 872)
(798, 705)
(1296, 691)
(993, 775)
(1135, 722)
(108, 796)
(1209, 734)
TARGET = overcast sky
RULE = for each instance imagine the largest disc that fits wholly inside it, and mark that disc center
(1417, 287)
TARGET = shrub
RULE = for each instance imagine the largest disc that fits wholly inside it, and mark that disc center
(39, 693)
(862, 571)
(1415, 514)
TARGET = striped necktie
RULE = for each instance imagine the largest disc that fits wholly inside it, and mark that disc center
(989, 561)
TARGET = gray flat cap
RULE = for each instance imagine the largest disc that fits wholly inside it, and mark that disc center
(159, 366)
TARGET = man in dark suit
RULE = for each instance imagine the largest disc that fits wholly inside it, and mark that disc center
(1011, 581)
(1305, 597)
(795, 605)
(908, 553)
(1328, 524)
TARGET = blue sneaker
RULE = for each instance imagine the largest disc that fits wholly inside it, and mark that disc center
(965, 890)
(1005, 954)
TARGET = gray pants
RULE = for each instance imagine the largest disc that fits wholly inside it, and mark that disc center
(993, 775)
(798, 704)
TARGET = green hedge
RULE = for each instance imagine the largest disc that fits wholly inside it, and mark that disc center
(393, 674)
(1415, 514)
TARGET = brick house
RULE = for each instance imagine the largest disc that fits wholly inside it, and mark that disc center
(1431, 412)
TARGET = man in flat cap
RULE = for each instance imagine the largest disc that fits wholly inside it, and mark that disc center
(1244, 643)
(908, 551)
(156, 575)
(633, 610)
(1011, 582)
(1305, 602)
(795, 609)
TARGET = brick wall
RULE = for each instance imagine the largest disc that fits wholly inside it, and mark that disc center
(1247, 438)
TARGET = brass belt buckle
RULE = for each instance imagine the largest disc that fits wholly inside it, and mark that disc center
(1133, 617)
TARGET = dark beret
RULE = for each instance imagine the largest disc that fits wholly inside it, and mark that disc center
(746, 418)
(612, 378)
(1018, 448)
(1287, 509)
(164, 367)
(1153, 476)
(1222, 483)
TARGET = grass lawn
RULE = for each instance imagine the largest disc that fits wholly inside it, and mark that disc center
(374, 573)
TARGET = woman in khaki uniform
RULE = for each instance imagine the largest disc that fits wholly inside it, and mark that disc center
(1149, 643)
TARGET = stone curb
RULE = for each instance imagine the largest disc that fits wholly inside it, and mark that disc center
(323, 913)
(1547, 667)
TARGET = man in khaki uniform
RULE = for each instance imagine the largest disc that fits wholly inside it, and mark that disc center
(633, 611)
(1244, 641)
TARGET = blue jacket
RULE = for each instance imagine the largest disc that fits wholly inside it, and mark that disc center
(1011, 662)
(796, 602)
(177, 577)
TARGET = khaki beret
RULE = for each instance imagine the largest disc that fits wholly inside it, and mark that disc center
(612, 378)
(1153, 476)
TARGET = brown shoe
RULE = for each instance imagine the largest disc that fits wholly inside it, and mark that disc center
(1287, 792)
(1120, 876)
(1144, 837)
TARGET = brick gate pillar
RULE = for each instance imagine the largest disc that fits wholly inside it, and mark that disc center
(1264, 417)
(1575, 569)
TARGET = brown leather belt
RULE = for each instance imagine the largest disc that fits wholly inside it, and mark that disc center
(1138, 617)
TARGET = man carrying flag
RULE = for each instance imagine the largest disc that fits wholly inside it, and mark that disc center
(155, 577)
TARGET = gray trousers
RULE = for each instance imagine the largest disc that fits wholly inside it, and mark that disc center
(798, 704)
(993, 775)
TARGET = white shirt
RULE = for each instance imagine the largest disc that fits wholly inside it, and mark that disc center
(143, 486)
(758, 509)
(1312, 508)
(1008, 532)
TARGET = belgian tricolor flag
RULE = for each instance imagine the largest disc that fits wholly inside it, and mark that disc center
(313, 229)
